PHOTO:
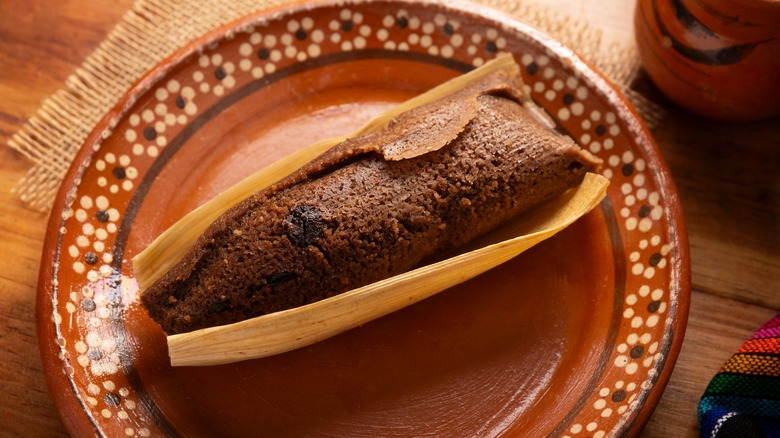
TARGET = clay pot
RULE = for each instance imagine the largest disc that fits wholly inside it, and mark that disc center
(718, 58)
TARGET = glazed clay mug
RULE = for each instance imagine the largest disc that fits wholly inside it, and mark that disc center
(718, 58)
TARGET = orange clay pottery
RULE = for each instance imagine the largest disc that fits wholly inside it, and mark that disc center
(718, 58)
(578, 336)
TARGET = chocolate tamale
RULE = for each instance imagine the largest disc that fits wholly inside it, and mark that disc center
(430, 179)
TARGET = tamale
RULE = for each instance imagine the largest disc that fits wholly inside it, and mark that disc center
(434, 177)
(287, 330)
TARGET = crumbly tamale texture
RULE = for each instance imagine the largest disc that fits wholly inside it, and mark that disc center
(354, 218)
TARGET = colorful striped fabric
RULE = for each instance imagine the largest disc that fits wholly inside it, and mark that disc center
(743, 399)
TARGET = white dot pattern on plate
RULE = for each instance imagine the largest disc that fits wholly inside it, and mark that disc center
(91, 220)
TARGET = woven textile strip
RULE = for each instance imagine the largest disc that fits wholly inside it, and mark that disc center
(743, 399)
(153, 29)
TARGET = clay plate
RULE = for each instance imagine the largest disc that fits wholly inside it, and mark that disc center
(576, 337)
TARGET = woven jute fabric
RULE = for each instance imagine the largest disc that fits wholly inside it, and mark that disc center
(153, 29)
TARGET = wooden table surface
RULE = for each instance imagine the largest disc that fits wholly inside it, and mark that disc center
(727, 174)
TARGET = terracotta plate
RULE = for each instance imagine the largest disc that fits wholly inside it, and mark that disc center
(576, 337)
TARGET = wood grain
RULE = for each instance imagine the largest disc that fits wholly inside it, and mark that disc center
(727, 175)
(41, 43)
(730, 189)
(25, 408)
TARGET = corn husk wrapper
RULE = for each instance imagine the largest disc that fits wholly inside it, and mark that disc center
(290, 329)
(294, 328)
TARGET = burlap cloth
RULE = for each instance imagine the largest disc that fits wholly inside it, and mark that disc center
(153, 29)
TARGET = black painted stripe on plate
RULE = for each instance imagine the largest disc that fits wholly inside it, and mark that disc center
(614, 324)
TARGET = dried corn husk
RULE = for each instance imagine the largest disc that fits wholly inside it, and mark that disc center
(283, 331)
(290, 329)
